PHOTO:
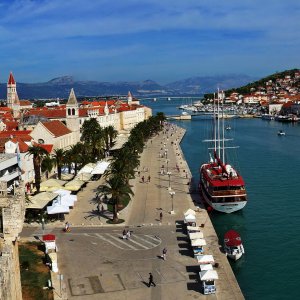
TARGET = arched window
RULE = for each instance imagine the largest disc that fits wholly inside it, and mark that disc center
(73, 111)
(69, 111)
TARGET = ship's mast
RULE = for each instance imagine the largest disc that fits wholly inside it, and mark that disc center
(218, 125)
(223, 129)
(215, 127)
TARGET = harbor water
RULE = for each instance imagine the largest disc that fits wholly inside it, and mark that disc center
(269, 224)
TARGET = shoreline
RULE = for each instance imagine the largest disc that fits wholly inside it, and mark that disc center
(227, 280)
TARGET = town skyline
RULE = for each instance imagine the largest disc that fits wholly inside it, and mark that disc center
(163, 41)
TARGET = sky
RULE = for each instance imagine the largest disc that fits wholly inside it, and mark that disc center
(133, 40)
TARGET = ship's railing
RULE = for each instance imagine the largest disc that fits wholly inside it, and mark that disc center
(229, 192)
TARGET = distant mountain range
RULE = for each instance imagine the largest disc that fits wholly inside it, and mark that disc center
(60, 87)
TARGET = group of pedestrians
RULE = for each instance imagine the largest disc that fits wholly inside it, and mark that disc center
(164, 257)
(143, 178)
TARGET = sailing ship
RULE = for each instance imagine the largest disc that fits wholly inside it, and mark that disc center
(221, 186)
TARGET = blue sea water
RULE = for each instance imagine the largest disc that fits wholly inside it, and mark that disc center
(270, 223)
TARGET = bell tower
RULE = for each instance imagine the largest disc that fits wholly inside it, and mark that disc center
(13, 101)
(72, 115)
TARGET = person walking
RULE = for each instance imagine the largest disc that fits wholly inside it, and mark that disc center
(160, 216)
(151, 280)
(124, 234)
(128, 234)
(149, 178)
(164, 254)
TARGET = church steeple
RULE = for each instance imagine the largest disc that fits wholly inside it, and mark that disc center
(12, 96)
(72, 101)
(129, 97)
(72, 114)
(13, 101)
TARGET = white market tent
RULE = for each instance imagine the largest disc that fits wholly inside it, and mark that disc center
(87, 168)
(205, 259)
(206, 267)
(83, 176)
(51, 185)
(64, 201)
(58, 209)
(190, 212)
(74, 185)
(53, 257)
(66, 176)
(195, 235)
(193, 228)
(189, 218)
(208, 275)
(62, 192)
(198, 242)
(100, 167)
(39, 201)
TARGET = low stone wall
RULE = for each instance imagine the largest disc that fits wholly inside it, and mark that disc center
(13, 213)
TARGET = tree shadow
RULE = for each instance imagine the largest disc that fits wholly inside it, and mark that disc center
(96, 214)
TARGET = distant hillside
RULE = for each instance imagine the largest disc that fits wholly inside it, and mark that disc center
(60, 87)
(246, 89)
(208, 84)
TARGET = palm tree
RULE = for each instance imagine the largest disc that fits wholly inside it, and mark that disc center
(72, 156)
(59, 158)
(47, 165)
(38, 154)
(112, 134)
(92, 137)
(118, 190)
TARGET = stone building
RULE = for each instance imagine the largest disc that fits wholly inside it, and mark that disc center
(12, 213)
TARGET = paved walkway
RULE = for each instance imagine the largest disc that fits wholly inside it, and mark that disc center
(164, 162)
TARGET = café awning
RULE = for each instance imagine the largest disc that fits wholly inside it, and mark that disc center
(100, 167)
(39, 201)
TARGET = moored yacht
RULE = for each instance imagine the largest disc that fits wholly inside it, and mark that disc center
(221, 186)
(233, 246)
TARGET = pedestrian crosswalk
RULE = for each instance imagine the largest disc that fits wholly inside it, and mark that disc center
(135, 242)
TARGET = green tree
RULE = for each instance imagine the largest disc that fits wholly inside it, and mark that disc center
(59, 158)
(116, 187)
(38, 153)
(47, 165)
(92, 137)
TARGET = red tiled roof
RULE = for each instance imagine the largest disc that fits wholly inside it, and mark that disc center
(15, 133)
(11, 125)
(48, 113)
(57, 128)
(288, 104)
(47, 147)
(25, 102)
(22, 146)
(4, 108)
(11, 79)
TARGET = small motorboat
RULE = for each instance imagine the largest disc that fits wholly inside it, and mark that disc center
(233, 245)
(228, 127)
(281, 132)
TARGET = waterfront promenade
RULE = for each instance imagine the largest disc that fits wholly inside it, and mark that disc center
(98, 264)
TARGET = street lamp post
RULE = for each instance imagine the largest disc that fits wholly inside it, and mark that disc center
(167, 162)
(172, 193)
(169, 174)
(43, 225)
